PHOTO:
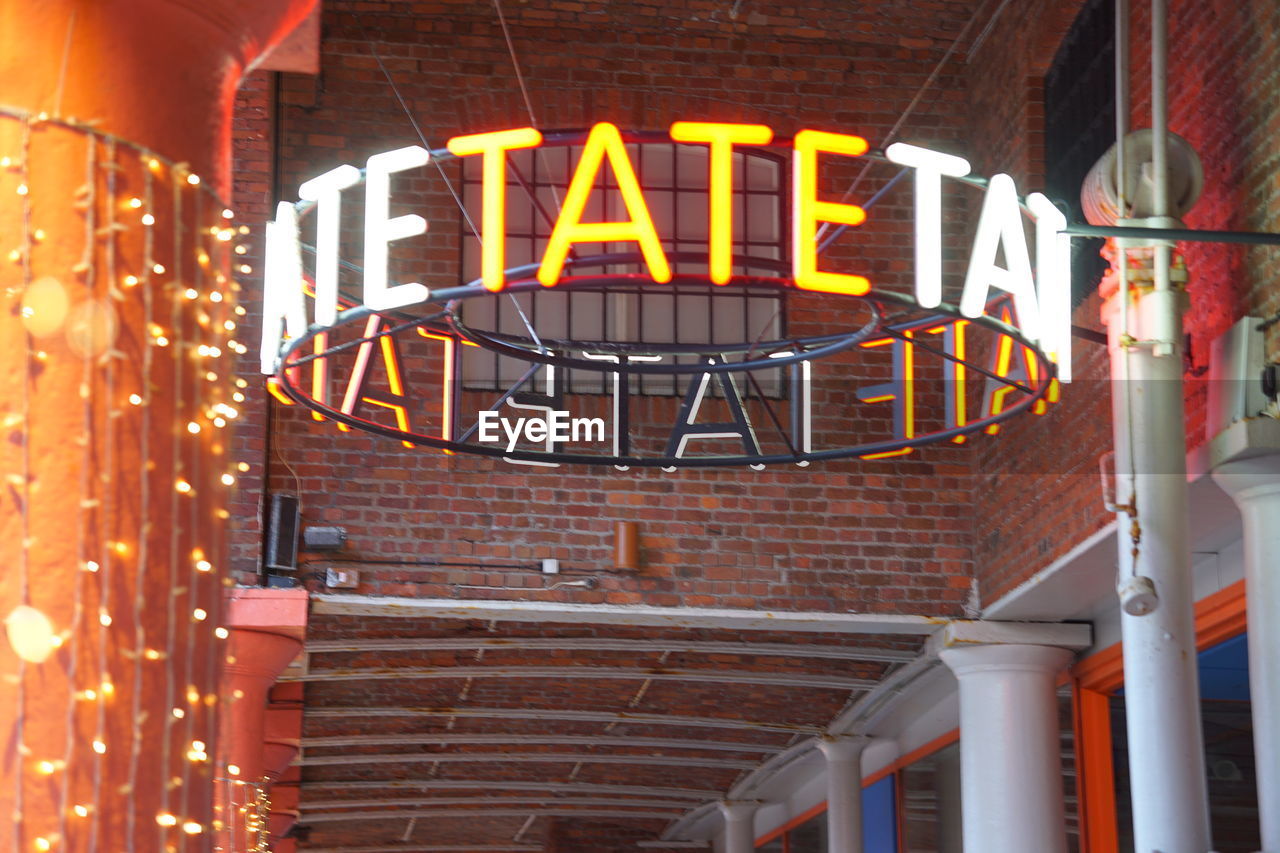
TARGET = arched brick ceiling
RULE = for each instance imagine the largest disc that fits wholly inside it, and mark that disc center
(511, 735)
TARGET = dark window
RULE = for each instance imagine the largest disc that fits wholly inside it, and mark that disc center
(1080, 122)
(674, 179)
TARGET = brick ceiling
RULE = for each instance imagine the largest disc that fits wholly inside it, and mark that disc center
(508, 735)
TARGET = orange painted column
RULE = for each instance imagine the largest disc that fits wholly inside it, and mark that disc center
(116, 396)
(258, 742)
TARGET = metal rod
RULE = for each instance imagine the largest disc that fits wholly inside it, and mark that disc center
(1189, 235)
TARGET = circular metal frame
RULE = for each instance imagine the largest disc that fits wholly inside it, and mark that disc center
(446, 320)
(292, 356)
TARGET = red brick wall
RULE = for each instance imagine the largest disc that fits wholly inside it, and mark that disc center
(1222, 95)
(851, 535)
(900, 536)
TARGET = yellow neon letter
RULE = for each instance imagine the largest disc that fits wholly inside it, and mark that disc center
(493, 193)
(808, 211)
(721, 138)
(603, 141)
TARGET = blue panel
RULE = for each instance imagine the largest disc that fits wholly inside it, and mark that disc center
(1224, 670)
(879, 818)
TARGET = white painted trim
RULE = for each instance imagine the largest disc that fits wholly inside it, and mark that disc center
(616, 614)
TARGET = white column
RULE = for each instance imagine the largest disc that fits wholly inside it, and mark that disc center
(1254, 484)
(739, 826)
(1010, 755)
(844, 792)
(1167, 775)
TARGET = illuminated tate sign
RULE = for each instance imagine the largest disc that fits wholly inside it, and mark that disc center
(1024, 306)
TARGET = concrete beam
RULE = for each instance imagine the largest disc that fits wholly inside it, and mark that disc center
(617, 614)
(973, 632)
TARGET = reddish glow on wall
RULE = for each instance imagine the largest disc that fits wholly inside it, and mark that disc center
(493, 148)
(604, 142)
(808, 211)
(720, 139)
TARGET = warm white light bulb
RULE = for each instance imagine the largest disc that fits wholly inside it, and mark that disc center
(30, 633)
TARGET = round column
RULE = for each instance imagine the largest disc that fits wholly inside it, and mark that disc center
(1254, 484)
(116, 274)
(739, 825)
(844, 792)
(1010, 757)
(1167, 772)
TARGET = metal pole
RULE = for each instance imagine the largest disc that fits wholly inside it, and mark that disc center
(1162, 701)
(1254, 484)
(1010, 755)
(844, 792)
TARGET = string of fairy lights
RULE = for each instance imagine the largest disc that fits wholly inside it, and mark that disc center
(93, 642)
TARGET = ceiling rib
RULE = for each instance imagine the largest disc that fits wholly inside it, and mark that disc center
(522, 758)
(434, 848)
(605, 644)
(472, 813)
(567, 740)
(429, 802)
(509, 785)
(623, 717)
(820, 682)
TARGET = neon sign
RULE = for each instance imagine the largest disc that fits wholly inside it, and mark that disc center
(1025, 308)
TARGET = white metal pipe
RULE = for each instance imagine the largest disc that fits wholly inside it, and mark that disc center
(1122, 104)
(1010, 752)
(738, 825)
(844, 792)
(1254, 484)
(1162, 701)
(1160, 107)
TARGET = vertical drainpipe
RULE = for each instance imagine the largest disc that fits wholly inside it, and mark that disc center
(1162, 702)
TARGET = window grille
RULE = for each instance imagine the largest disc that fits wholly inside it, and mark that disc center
(1080, 122)
(674, 178)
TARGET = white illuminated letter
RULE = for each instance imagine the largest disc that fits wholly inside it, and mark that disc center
(488, 426)
(282, 296)
(930, 166)
(326, 191)
(380, 230)
(1053, 280)
(1000, 226)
